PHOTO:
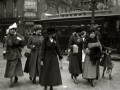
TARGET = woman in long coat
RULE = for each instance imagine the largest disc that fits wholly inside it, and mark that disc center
(13, 44)
(93, 54)
(35, 43)
(75, 59)
(49, 58)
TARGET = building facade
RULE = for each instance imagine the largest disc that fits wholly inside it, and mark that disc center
(23, 12)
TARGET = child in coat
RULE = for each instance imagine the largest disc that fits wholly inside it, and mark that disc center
(107, 62)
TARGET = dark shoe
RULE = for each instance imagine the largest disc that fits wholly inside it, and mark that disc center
(45, 88)
(89, 80)
(51, 88)
(30, 78)
(16, 79)
(72, 76)
(110, 77)
(75, 80)
(11, 85)
(92, 83)
(34, 82)
(103, 75)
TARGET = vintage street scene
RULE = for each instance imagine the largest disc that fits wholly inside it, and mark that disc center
(59, 44)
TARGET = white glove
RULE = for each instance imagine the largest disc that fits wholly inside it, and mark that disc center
(4, 51)
(33, 46)
(61, 64)
(87, 51)
(41, 63)
(19, 38)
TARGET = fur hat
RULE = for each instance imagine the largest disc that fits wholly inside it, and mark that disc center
(50, 31)
(14, 25)
(37, 27)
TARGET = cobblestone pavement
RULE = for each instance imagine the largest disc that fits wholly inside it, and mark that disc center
(25, 84)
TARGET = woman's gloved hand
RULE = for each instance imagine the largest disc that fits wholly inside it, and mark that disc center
(18, 38)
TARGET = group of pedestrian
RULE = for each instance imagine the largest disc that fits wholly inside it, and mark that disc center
(42, 60)
(45, 57)
(86, 55)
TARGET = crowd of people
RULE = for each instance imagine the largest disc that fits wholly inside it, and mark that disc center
(86, 54)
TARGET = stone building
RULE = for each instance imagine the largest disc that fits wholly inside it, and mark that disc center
(23, 12)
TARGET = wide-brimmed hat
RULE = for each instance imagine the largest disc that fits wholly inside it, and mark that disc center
(37, 27)
(50, 31)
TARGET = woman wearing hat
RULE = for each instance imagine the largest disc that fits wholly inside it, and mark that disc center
(13, 45)
(93, 54)
(49, 59)
(34, 43)
(75, 56)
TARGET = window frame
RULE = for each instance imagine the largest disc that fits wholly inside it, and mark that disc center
(14, 8)
(4, 9)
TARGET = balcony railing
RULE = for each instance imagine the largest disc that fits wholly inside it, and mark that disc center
(75, 14)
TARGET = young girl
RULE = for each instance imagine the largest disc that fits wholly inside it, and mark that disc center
(107, 63)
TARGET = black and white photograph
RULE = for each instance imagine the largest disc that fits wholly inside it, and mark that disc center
(59, 44)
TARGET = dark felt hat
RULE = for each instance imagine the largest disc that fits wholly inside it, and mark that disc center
(50, 31)
(78, 29)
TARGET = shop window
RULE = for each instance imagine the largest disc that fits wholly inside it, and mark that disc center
(30, 8)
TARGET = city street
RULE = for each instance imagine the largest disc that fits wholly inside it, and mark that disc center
(25, 84)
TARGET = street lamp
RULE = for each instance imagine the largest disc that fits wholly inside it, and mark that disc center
(93, 5)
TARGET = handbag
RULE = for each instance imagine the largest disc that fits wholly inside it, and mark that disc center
(75, 49)
(27, 53)
(68, 55)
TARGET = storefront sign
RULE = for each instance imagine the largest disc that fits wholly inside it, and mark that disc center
(29, 23)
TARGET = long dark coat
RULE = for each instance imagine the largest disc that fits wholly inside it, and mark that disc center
(49, 55)
(75, 59)
(35, 54)
(13, 55)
